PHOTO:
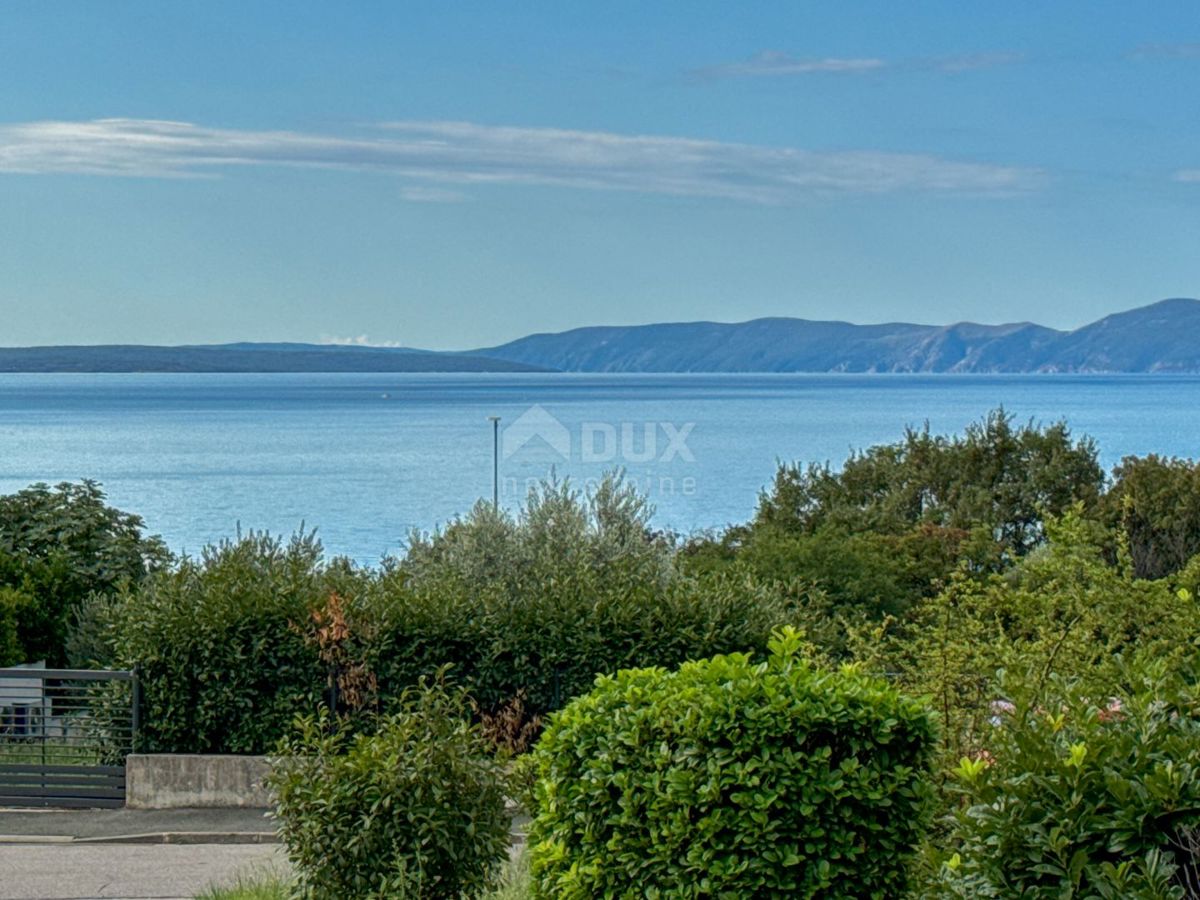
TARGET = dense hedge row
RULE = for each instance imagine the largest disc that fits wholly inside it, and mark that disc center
(221, 645)
(549, 644)
(232, 645)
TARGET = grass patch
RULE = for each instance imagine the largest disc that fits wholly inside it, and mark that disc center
(19, 752)
(260, 888)
(514, 883)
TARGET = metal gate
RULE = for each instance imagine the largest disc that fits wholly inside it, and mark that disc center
(64, 736)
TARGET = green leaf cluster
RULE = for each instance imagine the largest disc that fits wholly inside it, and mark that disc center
(730, 778)
(58, 547)
(415, 809)
(220, 646)
(891, 527)
(1154, 509)
(539, 603)
(1063, 611)
(1083, 795)
(997, 475)
(13, 603)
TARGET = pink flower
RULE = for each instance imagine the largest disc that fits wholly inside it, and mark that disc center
(1113, 711)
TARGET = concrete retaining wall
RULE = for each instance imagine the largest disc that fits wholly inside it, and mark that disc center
(181, 780)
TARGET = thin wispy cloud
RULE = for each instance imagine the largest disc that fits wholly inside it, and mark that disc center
(1167, 51)
(420, 194)
(452, 155)
(969, 62)
(774, 64)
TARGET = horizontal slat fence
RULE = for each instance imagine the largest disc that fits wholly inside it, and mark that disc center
(64, 736)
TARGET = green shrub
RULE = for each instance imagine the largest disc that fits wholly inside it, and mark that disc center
(538, 604)
(89, 640)
(1084, 796)
(858, 573)
(730, 778)
(1062, 610)
(12, 603)
(221, 643)
(415, 809)
(529, 607)
(548, 640)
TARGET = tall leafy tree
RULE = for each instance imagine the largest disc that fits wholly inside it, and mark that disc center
(998, 475)
(1154, 504)
(58, 546)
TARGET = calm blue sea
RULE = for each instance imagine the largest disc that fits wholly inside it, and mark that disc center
(368, 458)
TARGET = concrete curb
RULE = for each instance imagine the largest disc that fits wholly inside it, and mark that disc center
(152, 837)
(36, 839)
(186, 837)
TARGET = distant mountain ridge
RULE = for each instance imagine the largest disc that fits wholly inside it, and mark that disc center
(246, 357)
(1161, 337)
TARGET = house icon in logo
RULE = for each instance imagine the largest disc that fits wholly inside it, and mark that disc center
(536, 426)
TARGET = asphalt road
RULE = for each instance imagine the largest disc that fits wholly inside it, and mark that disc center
(225, 824)
(138, 854)
(72, 871)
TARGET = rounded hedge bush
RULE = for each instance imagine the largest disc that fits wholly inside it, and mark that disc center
(734, 779)
(414, 809)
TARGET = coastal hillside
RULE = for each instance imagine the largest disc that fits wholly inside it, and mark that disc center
(1161, 337)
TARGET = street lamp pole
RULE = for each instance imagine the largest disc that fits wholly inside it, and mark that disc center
(495, 420)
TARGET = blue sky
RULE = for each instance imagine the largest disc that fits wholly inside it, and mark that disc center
(457, 175)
